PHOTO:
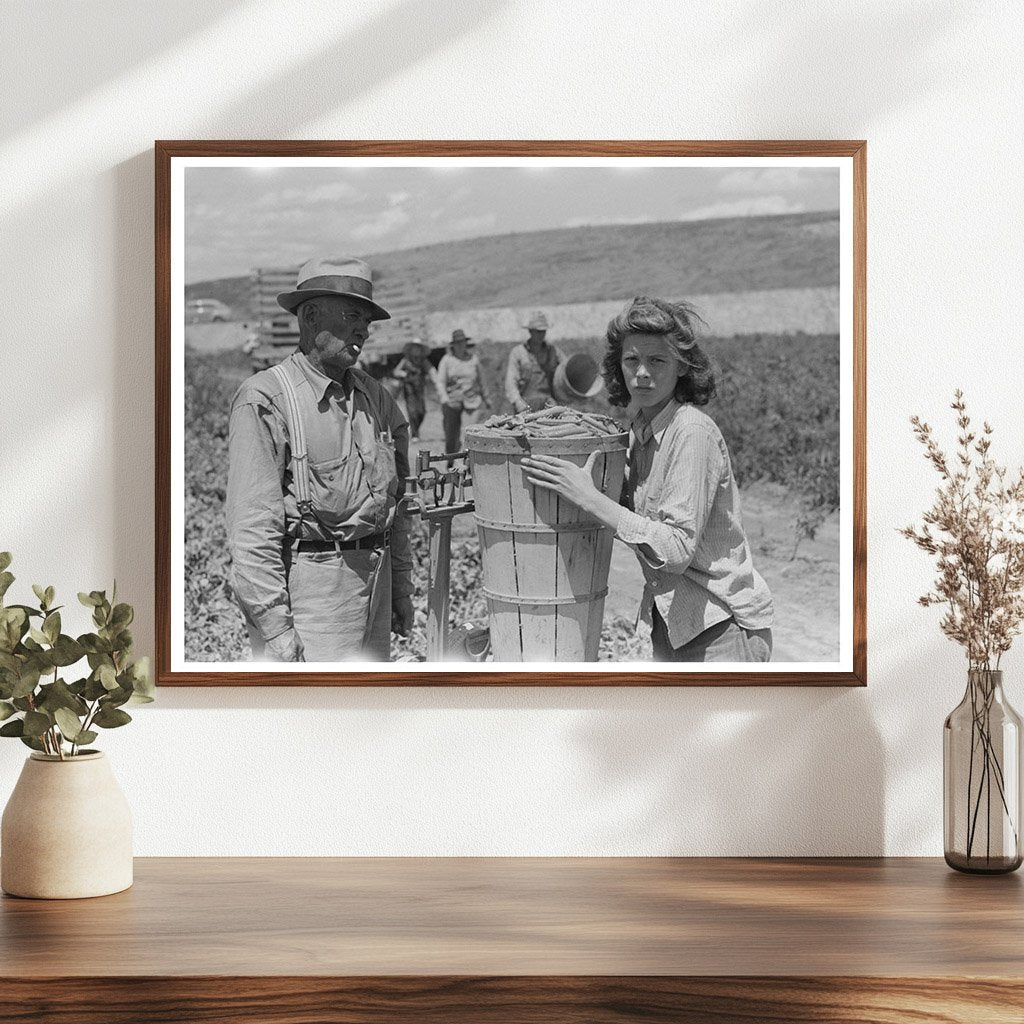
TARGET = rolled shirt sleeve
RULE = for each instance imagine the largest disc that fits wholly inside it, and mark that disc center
(666, 533)
(255, 512)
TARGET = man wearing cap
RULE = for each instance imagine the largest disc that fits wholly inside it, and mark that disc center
(460, 387)
(529, 378)
(318, 451)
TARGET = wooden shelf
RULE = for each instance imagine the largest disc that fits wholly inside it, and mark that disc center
(522, 939)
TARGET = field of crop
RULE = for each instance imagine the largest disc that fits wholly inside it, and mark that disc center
(777, 407)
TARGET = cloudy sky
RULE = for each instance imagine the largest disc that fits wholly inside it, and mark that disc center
(239, 218)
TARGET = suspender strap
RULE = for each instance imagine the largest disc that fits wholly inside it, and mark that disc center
(297, 441)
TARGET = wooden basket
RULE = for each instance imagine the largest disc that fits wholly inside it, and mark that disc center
(545, 562)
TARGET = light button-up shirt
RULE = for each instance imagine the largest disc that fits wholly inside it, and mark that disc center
(682, 517)
(357, 442)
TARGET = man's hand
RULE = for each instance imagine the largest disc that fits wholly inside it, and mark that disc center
(287, 647)
(401, 615)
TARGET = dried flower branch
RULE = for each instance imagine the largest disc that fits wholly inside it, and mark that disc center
(975, 529)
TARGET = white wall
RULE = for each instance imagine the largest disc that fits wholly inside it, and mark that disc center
(936, 88)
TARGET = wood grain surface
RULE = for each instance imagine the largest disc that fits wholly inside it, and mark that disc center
(590, 940)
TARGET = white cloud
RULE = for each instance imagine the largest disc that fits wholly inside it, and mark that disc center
(753, 207)
(383, 224)
(763, 179)
(331, 192)
(600, 220)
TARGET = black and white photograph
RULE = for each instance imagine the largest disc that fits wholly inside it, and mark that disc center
(484, 417)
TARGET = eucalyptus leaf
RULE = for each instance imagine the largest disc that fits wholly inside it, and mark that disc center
(39, 636)
(50, 595)
(94, 689)
(40, 593)
(27, 682)
(59, 695)
(86, 736)
(107, 676)
(94, 644)
(36, 723)
(142, 678)
(15, 728)
(6, 710)
(89, 600)
(66, 651)
(29, 611)
(31, 741)
(69, 724)
(6, 579)
(121, 616)
(12, 627)
(5, 559)
(123, 640)
(111, 718)
(51, 626)
(9, 663)
(115, 698)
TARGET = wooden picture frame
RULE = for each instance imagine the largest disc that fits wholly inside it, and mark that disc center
(752, 189)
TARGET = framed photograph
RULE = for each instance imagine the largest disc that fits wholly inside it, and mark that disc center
(529, 413)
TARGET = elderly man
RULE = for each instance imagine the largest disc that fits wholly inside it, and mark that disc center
(319, 545)
(529, 378)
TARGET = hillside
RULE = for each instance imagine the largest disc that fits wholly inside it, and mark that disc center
(590, 264)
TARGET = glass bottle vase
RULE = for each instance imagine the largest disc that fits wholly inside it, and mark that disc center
(981, 774)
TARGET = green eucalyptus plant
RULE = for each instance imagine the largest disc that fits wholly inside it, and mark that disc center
(46, 712)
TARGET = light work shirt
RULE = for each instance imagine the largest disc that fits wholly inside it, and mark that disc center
(682, 517)
(460, 382)
(357, 442)
(528, 377)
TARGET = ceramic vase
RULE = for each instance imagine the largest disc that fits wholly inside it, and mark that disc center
(66, 831)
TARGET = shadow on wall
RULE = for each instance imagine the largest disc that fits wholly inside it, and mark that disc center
(393, 39)
(54, 45)
(813, 60)
(717, 772)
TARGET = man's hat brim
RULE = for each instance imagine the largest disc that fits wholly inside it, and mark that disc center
(292, 300)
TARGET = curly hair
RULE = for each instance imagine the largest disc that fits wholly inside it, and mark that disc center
(677, 323)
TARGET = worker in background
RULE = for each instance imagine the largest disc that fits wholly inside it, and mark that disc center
(460, 388)
(529, 378)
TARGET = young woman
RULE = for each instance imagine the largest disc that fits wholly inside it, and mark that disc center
(703, 599)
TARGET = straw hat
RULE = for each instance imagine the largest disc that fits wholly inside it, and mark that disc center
(333, 275)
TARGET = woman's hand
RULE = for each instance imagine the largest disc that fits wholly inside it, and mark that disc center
(572, 482)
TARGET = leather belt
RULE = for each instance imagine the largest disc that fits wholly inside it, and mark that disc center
(376, 540)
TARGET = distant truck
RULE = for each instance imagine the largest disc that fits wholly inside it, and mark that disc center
(207, 311)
